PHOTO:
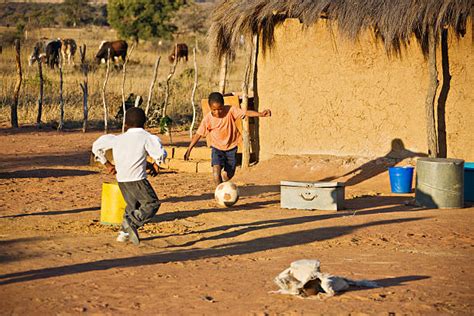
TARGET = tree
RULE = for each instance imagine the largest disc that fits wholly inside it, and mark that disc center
(143, 19)
(78, 11)
(193, 17)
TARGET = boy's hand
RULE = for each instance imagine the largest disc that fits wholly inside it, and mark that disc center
(186, 155)
(152, 169)
(266, 113)
(110, 168)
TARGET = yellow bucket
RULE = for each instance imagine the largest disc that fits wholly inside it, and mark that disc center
(113, 205)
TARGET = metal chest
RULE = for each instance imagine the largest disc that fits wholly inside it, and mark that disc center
(312, 195)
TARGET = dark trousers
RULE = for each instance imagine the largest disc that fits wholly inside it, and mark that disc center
(142, 202)
(226, 159)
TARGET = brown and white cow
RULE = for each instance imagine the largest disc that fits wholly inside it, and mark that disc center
(117, 49)
(181, 51)
(68, 50)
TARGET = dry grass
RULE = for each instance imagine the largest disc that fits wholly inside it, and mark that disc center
(139, 74)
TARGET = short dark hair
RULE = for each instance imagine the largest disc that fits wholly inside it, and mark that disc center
(216, 97)
(135, 117)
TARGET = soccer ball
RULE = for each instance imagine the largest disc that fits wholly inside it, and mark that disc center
(226, 194)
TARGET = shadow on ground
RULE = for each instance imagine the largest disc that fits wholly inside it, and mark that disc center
(272, 242)
(79, 158)
(51, 213)
(45, 173)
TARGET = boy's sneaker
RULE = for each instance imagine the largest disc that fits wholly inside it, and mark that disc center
(123, 236)
(132, 232)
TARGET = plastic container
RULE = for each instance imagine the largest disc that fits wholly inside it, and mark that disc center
(401, 179)
(113, 205)
(469, 181)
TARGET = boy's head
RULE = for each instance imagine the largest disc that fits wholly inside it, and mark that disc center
(135, 117)
(216, 103)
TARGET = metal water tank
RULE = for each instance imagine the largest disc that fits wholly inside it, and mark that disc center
(440, 182)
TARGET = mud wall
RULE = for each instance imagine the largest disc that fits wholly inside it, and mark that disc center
(329, 95)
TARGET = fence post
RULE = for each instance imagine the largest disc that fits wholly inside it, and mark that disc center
(84, 85)
(103, 92)
(14, 106)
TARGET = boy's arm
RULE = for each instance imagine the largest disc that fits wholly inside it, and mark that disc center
(99, 147)
(202, 131)
(155, 149)
(264, 113)
(193, 143)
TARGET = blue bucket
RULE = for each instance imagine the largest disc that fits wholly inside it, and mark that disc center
(469, 181)
(401, 179)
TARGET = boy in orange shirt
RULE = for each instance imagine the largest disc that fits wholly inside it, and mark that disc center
(224, 136)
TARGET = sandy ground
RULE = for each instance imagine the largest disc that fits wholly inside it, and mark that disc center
(195, 258)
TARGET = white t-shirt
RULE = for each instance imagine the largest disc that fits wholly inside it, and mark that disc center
(129, 151)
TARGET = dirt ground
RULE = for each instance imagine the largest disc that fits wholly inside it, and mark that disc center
(196, 258)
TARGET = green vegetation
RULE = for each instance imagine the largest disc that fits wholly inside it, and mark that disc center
(143, 19)
(70, 13)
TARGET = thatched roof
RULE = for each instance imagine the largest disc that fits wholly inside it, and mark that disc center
(393, 21)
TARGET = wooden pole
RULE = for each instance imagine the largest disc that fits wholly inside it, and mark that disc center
(61, 100)
(245, 102)
(430, 97)
(84, 86)
(443, 96)
(168, 79)
(256, 140)
(223, 73)
(193, 93)
(106, 114)
(152, 85)
(41, 84)
(124, 72)
(14, 107)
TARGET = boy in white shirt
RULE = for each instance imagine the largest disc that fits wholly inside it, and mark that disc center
(130, 150)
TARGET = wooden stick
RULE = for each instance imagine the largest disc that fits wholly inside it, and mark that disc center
(14, 106)
(124, 72)
(41, 83)
(193, 93)
(223, 73)
(168, 79)
(430, 97)
(61, 100)
(245, 102)
(84, 86)
(103, 92)
(443, 95)
(152, 85)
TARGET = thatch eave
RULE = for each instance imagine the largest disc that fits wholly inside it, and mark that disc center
(394, 22)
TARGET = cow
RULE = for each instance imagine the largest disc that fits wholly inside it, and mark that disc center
(117, 49)
(68, 50)
(181, 50)
(131, 102)
(46, 51)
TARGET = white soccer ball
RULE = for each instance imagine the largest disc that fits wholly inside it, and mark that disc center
(226, 194)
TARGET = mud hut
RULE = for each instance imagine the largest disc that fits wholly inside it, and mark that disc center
(350, 77)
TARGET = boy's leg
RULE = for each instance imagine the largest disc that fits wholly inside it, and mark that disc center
(128, 225)
(146, 206)
(230, 164)
(217, 162)
(217, 174)
(149, 203)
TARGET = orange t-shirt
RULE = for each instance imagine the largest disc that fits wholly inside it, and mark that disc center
(223, 133)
